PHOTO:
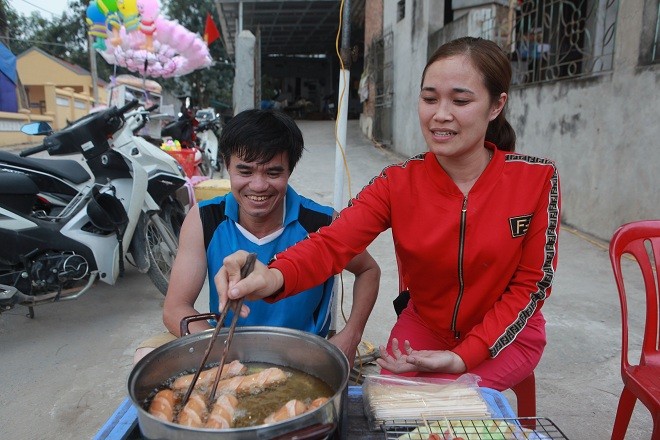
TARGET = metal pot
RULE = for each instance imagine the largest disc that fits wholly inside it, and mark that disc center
(280, 346)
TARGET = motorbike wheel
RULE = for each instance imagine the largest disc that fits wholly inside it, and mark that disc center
(205, 167)
(219, 166)
(173, 215)
(161, 259)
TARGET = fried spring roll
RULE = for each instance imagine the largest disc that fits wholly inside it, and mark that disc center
(207, 377)
(252, 383)
(316, 403)
(222, 413)
(162, 405)
(290, 409)
(195, 411)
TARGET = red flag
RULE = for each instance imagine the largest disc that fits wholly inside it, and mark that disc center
(211, 32)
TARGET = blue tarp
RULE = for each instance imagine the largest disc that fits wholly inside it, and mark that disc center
(8, 80)
(8, 63)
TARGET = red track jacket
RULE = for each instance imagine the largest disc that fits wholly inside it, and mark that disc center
(479, 265)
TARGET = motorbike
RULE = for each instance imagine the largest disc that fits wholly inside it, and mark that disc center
(63, 230)
(198, 134)
(208, 132)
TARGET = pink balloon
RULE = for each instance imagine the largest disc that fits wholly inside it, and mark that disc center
(148, 9)
(164, 29)
(175, 51)
(182, 39)
(125, 42)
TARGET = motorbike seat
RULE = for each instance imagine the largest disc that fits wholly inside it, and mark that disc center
(18, 184)
(17, 192)
(67, 169)
(175, 129)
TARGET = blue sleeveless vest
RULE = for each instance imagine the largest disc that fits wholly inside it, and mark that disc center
(309, 310)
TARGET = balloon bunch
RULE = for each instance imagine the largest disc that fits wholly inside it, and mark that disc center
(132, 34)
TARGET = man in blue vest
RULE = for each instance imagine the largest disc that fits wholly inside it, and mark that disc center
(263, 214)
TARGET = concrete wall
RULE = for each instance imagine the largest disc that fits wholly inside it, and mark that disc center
(373, 30)
(36, 68)
(10, 126)
(410, 55)
(244, 81)
(603, 132)
(60, 107)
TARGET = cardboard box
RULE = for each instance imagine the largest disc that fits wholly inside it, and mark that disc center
(211, 188)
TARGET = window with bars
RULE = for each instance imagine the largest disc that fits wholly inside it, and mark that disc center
(655, 56)
(559, 39)
(649, 51)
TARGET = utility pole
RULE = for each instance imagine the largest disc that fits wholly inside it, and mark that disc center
(342, 106)
(340, 128)
(93, 69)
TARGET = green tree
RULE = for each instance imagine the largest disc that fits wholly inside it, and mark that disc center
(64, 37)
(11, 27)
(206, 87)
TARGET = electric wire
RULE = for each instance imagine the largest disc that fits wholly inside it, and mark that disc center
(341, 97)
(370, 347)
(45, 43)
(39, 7)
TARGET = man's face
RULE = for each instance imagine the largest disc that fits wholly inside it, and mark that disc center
(259, 188)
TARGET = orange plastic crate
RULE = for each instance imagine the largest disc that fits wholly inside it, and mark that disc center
(186, 158)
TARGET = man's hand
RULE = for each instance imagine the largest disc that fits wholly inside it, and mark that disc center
(439, 361)
(262, 282)
(347, 342)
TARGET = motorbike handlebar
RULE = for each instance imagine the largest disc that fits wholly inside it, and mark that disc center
(33, 150)
(134, 103)
(207, 125)
(152, 108)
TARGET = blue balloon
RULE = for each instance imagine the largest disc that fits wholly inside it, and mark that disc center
(95, 14)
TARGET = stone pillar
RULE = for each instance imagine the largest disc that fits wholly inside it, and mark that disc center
(244, 81)
(70, 93)
(51, 104)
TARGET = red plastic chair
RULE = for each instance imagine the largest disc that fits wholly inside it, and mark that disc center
(525, 392)
(642, 381)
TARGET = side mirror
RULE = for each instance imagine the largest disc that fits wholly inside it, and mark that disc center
(37, 128)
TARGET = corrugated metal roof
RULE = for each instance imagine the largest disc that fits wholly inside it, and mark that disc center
(286, 27)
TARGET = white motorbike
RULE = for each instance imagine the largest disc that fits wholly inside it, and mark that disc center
(131, 209)
(208, 131)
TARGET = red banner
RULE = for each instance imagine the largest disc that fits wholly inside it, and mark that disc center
(211, 32)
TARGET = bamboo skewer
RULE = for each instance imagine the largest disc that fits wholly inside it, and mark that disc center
(395, 402)
(451, 428)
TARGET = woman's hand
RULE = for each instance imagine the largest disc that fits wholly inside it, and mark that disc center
(262, 282)
(438, 361)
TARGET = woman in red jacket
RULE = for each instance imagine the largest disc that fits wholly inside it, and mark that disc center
(475, 230)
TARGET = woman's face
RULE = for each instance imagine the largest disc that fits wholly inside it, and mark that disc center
(455, 108)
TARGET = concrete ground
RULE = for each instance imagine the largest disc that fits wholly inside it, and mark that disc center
(63, 373)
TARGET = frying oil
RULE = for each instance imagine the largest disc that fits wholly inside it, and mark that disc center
(253, 408)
